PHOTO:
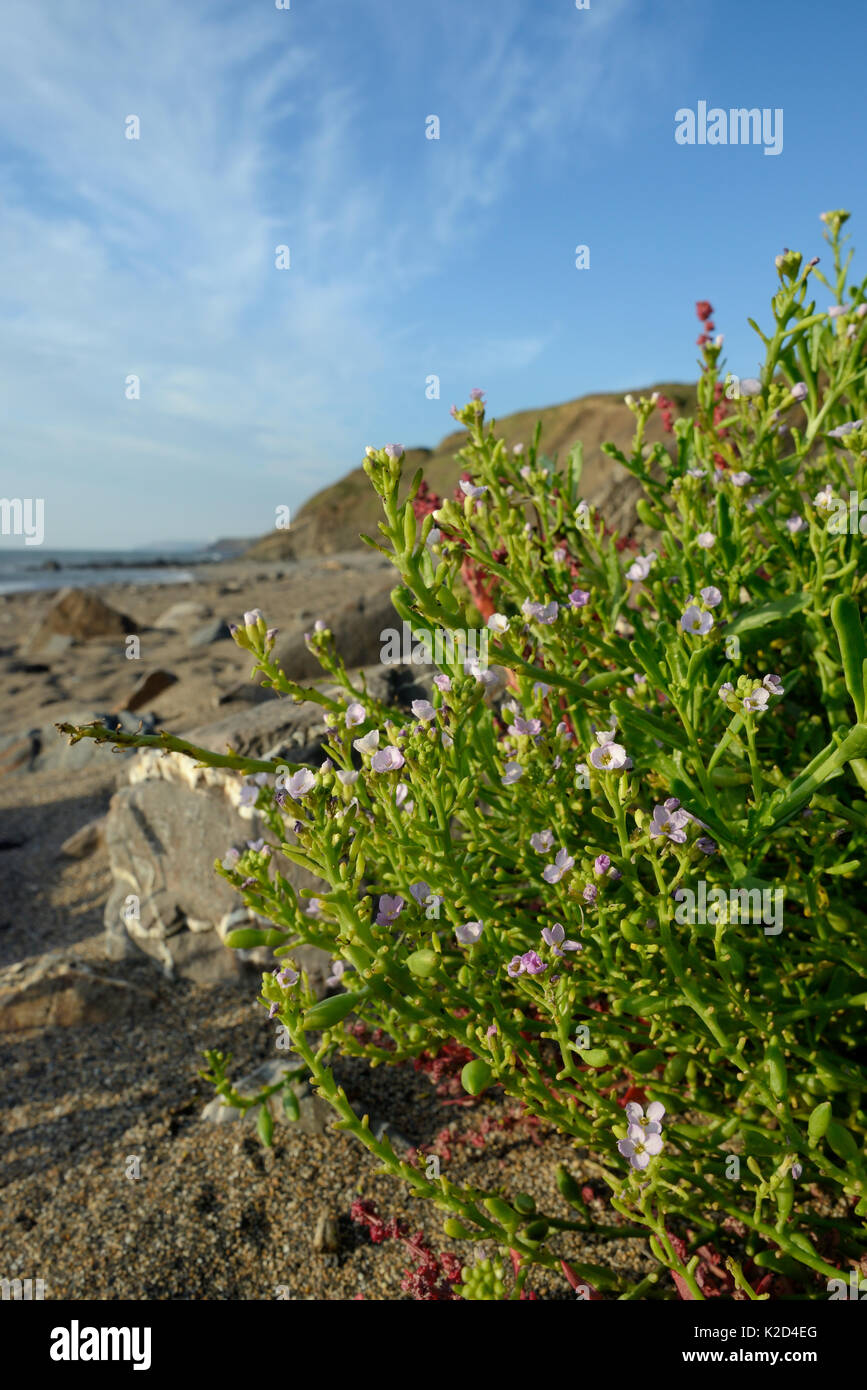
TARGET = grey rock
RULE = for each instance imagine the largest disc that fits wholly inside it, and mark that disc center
(357, 625)
(184, 614)
(85, 841)
(146, 689)
(83, 615)
(215, 631)
(248, 693)
(61, 990)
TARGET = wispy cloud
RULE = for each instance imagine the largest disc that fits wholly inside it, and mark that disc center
(155, 256)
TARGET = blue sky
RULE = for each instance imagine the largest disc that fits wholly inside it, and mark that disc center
(409, 257)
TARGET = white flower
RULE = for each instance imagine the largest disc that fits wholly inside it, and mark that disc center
(757, 700)
(513, 773)
(469, 933)
(300, 783)
(651, 1122)
(639, 1147)
(711, 596)
(498, 622)
(640, 568)
(824, 500)
(542, 841)
(609, 756)
(705, 539)
(423, 709)
(368, 744)
(694, 620)
(355, 714)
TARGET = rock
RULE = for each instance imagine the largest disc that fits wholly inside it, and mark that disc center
(85, 841)
(248, 692)
(53, 646)
(215, 631)
(80, 614)
(167, 827)
(63, 991)
(147, 688)
(357, 625)
(184, 614)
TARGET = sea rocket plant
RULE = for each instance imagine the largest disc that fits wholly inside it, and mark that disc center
(694, 715)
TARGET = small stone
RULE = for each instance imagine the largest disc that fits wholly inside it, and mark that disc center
(216, 631)
(147, 688)
(85, 841)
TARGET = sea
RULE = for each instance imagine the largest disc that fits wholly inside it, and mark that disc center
(33, 567)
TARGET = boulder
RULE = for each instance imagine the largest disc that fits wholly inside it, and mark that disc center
(357, 624)
(61, 990)
(149, 685)
(80, 614)
(186, 613)
(166, 827)
(215, 631)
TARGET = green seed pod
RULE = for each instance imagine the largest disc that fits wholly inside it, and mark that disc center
(265, 1125)
(818, 1122)
(569, 1188)
(524, 1203)
(675, 1068)
(648, 515)
(245, 938)
(502, 1212)
(646, 1060)
(780, 1264)
(475, 1076)
(841, 1142)
(290, 1104)
(456, 1231)
(537, 1230)
(776, 1070)
(409, 527)
(802, 1243)
(423, 963)
(853, 649)
(596, 1057)
(464, 976)
(632, 932)
(785, 1199)
(415, 1033)
(328, 1012)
